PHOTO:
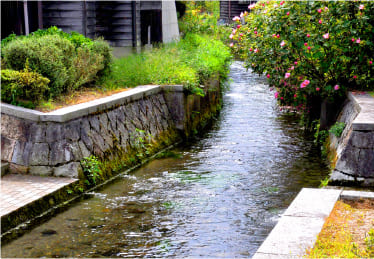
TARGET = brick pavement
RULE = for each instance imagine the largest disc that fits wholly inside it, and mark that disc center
(17, 191)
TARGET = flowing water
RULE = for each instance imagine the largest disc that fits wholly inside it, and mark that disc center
(220, 198)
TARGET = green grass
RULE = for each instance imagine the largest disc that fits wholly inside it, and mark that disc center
(189, 62)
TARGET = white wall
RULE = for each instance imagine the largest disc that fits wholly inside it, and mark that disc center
(170, 29)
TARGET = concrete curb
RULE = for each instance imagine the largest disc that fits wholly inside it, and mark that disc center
(364, 120)
(299, 226)
(95, 106)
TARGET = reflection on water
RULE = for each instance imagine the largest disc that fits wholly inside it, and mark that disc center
(221, 198)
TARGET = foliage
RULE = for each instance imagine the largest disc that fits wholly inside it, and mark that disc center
(69, 60)
(337, 129)
(91, 169)
(25, 84)
(188, 62)
(200, 17)
(141, 142)
(309, 50)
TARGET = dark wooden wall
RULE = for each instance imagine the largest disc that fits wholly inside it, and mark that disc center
(229, 9)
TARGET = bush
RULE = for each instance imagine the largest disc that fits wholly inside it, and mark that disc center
(309, 50)
(27, 85)
(69, 60)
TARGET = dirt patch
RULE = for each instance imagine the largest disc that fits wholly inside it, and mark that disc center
(348, 232)
(77, 97)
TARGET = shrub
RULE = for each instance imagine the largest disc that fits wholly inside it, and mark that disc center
(28, 85)
(48, 55)
(309, 50)
(69, 60)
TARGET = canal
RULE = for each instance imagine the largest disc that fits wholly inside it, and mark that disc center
(220, 195)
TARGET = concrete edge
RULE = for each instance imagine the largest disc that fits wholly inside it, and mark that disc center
(83, 109)
(364, 120)
(304, 217)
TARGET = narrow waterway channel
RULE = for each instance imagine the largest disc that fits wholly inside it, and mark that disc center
(220, 198)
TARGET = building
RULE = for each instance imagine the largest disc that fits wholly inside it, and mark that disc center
(230, 8)
(122, 23)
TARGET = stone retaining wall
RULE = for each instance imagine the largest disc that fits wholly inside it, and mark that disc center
(354, 150)
(54, 143)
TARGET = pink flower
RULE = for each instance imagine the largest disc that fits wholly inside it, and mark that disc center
(241, 34)
(319, 10)
(370, 62)
(309, 48)
(238, 26)
(361, 7)
(252, 6)
(305, 44)
(281, 98)
(295, 62)
(326, 35)
(256, 50)
(355, 77)
(353, 39)
(255, 32)
(287, 75)
(317, 88)
(268, 76)
(295, 95)
(282, 43)
(274, 36)
(320, 21)
(336, 87)
(308, 35)
(326, 8)
(231, 36)
(275, 5)
(276, 94)
(281, 3)
(292, 68)
(236, 18)
(358, 40)
(241, 15)
(231, 44)
(304, 84)
(250, 49)
(288, 13)
(233, 31)
(278, 36)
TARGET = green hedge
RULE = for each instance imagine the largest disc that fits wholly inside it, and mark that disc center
(69, 60)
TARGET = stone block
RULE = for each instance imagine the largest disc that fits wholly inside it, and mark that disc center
(94, 122)
(39, 154)
(21, 153)
(85, 135)
(18, 169)
(60, 152)
(347, 163)
(362, 139)
(14, 128)
(37, 132)
(54, 132)
(41, 170)
(365, 163)
(71, 170)
(72, 130)
(84, 150)
(7, 147)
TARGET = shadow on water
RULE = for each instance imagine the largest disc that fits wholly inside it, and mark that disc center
(219, 197)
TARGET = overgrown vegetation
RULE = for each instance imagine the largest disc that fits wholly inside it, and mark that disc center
(68, 60)
(337, 239)
(309, 50)
(189, 62)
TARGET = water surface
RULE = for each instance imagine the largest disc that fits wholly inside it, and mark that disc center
(221, 198)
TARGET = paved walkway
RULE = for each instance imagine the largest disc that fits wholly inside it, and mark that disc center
(17, 191)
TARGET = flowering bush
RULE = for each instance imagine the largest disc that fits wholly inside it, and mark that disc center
(309, 50)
